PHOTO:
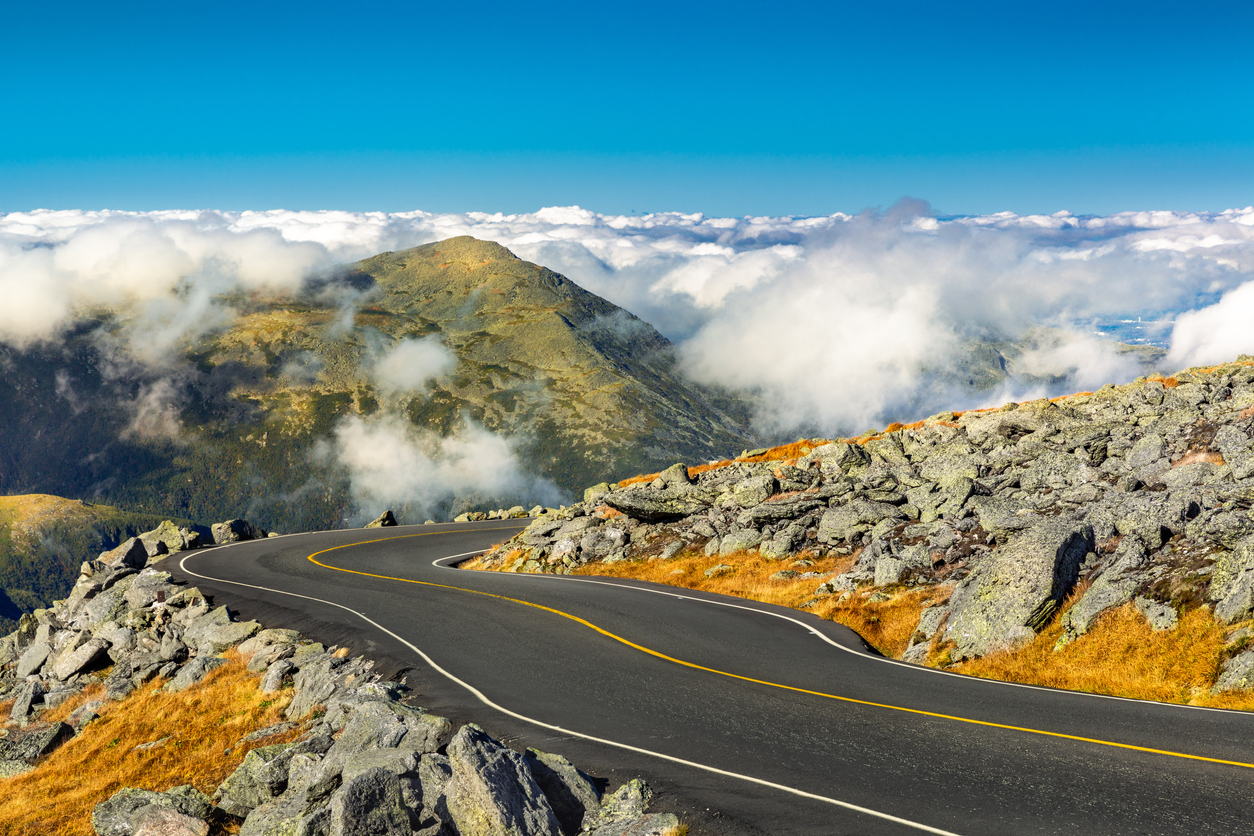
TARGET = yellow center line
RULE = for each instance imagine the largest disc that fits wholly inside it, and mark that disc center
(694, 666)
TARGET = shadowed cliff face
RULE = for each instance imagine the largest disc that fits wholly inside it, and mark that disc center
(448, 375)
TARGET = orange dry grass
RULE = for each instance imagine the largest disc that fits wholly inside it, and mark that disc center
(1195, 456)
(203, 722)
(886, 625)
(775, 454)
(1122, 656)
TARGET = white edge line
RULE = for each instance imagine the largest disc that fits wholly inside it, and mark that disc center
(859, 653)
(484, 699)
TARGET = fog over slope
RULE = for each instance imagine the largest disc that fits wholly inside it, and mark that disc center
(838, 322)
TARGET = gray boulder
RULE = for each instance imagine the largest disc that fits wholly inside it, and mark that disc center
(28, 694)
(234, 531)
(625, 804)
(131, 554)
(853, 518)
(1160, 616)
(32, 659)
(86, 656)
(655, 506)
(492, 792)
(193, 672)
(649, 824)
(215, 632)
(129, 809)
(1016, 589)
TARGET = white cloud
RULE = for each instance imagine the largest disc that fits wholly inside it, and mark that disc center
(1216, 333)
(392, 464)
(836, 320)
(410, 365)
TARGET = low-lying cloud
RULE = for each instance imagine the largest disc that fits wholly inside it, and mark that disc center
(836, 322)
(409, 365)
(392, 464)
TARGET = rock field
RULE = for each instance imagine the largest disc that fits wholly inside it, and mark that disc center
(367, 762)
(1143, 491)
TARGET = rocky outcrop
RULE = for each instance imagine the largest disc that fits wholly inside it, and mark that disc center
(1141, 493)
(366, 761)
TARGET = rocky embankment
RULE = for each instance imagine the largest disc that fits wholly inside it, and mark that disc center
(1137, 493)
(365, 760)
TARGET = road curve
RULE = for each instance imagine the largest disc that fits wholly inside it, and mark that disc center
(748, 718)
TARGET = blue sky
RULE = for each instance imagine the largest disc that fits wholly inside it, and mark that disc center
(724, 108)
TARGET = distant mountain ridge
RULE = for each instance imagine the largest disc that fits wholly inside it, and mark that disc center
(238, 422)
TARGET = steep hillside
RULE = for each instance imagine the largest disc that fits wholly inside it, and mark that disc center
(241, 421)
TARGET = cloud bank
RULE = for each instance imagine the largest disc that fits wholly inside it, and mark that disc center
(392, 464)
(836, 322)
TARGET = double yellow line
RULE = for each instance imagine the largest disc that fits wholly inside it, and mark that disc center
(313, 559)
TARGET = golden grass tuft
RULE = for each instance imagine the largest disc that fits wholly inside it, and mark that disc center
(1123, 656)
(1195, 456)
(886, 625)
(204, 724)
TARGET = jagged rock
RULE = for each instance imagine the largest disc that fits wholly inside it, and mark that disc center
(159, 821)
(491, 790)
(87, 655)
(753, 491)
(571, 793)
(739, 541)
(370, 803)
(169, 535)
(676, 476)
(649, 824)
(595, 492)
(384, 520)
(853, 518)
(1016, 590)
(234, 531)
(276, 675)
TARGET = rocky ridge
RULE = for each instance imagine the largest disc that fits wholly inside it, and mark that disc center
(366, 760)
(1141, 492)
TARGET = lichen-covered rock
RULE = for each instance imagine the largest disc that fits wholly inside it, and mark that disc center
(130, 809)
(1237, 674)
(1015, 590)
(627, 803)
(261, 778)
(655, 506)
(491, 791)
(1232, 583)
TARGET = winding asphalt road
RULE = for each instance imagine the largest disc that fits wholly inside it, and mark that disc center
(748, 718)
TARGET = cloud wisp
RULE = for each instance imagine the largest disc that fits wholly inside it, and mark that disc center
(836, 322)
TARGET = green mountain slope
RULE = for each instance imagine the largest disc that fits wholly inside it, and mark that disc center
(242, 421)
